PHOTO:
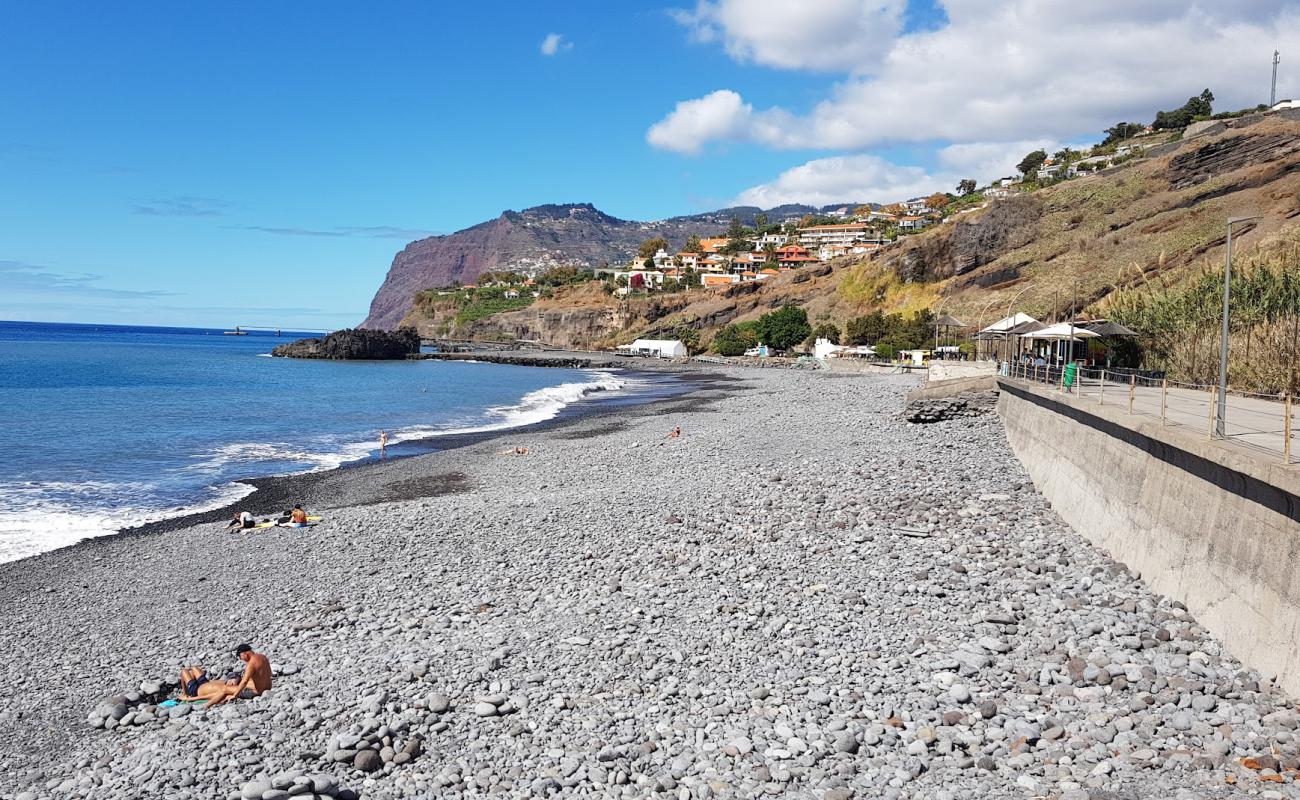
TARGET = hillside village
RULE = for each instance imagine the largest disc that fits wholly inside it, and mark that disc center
(1077, 234)
(769, 248)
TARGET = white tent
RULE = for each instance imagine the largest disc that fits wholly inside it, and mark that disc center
(1061, 330)
(655, 348)
(1007, 323)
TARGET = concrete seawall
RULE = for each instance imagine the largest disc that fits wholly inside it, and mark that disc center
(1214, 527)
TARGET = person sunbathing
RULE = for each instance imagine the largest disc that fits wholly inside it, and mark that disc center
(297, 518)
(517, 451)
(675, 433)
(196, 685)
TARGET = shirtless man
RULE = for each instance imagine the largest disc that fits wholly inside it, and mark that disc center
(195, 684)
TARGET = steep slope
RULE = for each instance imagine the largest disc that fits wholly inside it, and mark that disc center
(534, 239)
(1155, 221)
(1074, 244)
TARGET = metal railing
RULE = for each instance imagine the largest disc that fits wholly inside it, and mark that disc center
(1263, 422)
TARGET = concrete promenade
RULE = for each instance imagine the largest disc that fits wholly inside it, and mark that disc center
(1253, 423)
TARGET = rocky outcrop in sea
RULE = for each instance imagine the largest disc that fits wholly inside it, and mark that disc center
(354, 344)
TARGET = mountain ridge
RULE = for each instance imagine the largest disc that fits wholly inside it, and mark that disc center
(539, 237)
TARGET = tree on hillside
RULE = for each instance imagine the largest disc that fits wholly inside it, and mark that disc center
(862, 211)
(866, 330)
(937, 201)
(966, 186)
(784, 328)
(558, 276)
(1200, 106)
(693, 244)
(651, 246)
(806, 220)
(1121, 131)
(760, 222)
(897, 209)
(1030, 163)
(737, 238)
(1066, 155)
(825, 330)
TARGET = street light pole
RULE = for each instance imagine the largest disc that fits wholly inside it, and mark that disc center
(1007, 334)
(1220, 413)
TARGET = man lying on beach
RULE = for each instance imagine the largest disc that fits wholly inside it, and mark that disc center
(196, 685)
(516, 451)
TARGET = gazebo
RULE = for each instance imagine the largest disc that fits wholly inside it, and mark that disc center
(1059, 333)
(1106, 329)
(947, 322)
(1000, 331)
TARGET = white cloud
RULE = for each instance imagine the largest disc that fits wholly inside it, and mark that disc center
(837, 35)
(998, 71)
(720, 115)
(554, 43)
(868, 178)
(841, 179)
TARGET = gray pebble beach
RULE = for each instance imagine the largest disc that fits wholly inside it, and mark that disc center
(805, 595)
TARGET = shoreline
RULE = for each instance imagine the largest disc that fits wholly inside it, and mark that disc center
(802, 596)
(278, 492)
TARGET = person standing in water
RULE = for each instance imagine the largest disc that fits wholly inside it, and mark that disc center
(383, 444)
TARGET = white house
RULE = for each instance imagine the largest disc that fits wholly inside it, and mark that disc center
(655, 348)
(817, 235)
(1049, 171)
(917, 206)
(823, 348)
(771, 237)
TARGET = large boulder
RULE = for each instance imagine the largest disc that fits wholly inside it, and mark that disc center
(354, 344)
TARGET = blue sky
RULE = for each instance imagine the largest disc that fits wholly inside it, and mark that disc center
(260, 163)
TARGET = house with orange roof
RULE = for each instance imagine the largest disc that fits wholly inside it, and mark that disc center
(792, 256)
(714, 244)
(710, 280)
(688, 259)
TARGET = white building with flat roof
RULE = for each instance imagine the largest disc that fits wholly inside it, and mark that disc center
(818, 235)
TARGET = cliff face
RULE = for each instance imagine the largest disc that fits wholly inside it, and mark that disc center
(544, 236)
(1154, 221)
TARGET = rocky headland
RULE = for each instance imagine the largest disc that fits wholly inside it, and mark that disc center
(354, 344)
(803, 596)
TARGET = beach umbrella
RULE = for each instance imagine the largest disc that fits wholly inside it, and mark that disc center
(1111, 329)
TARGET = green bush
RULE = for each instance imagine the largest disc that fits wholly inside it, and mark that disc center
(733, 340)
(784, 328)
(825, 330)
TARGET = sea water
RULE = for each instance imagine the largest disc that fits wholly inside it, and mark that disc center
(103, 427)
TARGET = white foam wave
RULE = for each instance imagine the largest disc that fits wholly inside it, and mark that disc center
(220, 458)
(532, 408)
(39, 516)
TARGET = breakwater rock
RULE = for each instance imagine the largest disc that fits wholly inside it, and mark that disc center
(354, 344)
(966, 404)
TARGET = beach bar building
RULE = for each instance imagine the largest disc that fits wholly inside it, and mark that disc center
(655, 348)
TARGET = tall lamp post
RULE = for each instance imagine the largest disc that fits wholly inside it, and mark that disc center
(1220, 414)
(1006, 334)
